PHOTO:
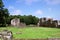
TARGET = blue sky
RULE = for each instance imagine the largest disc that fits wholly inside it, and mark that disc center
(38, 8)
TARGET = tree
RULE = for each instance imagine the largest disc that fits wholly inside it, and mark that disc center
(1, 4)
(25, 19)
(3, 14)
(35, 20)
(30, 20)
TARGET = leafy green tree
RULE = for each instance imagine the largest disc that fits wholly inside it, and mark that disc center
(35, 20)
(1, 4)
(26, 19)
(30, 19)
(3, 14)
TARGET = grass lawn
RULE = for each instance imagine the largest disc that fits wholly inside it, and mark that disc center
(34, 32)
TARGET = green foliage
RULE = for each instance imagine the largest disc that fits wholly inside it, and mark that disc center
(3, 14)
(6, 19)
(1, 4)
(26, 19)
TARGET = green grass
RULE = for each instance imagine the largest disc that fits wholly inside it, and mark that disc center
(34, 32)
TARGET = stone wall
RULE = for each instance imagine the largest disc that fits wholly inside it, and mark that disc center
(16, 23)
(6, 35)
(48, 22)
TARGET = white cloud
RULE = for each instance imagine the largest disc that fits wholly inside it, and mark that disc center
(14, 11)
(48, 16)
(10, 7)
(28, 2)
(39, 12)
(50, 9)
(19, 1)
(52, 2)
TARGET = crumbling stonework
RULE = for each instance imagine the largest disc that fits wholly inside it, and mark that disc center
(16, 23)
(48, 22)
(6, 35)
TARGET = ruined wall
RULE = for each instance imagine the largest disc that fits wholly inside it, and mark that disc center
(48, 22)
(15, 22)
(6, 35)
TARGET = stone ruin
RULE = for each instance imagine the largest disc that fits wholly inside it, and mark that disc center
(48, 22)
(6, 35)
(16, 23)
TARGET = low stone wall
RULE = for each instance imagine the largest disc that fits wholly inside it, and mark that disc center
(6, 35)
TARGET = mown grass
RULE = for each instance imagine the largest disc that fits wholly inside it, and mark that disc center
(33, 32)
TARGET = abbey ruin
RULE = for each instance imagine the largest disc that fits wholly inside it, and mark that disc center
(48, 22)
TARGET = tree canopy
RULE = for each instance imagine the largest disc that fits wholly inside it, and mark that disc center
(3, 14)
(25, 19)
(6, 19)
